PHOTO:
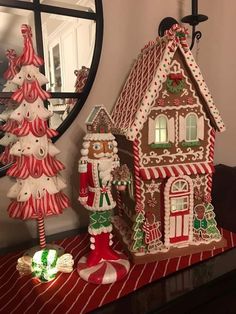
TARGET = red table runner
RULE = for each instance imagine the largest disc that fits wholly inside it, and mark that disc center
(68, 293)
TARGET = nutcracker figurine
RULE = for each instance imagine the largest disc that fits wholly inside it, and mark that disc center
(99, 158)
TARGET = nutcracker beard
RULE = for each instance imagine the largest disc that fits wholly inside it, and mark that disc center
(100, 219)
(105, 168)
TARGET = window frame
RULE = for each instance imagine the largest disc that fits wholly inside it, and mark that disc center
(190, 127)
(184, 202)
(179, 182)
(160, 128)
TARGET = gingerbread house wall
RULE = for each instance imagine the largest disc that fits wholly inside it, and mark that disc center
(126, 205)
(172, 106)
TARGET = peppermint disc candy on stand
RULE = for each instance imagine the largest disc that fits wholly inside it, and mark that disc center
(105, 272)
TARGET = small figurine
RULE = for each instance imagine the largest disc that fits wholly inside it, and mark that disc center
(99, 159)
(121, 177)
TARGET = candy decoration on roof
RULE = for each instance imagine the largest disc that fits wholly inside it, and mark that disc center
(178, 35)
(37, 192)
(9, 126)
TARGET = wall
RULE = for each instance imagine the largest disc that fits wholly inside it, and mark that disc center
(218, 63)
(128, 26)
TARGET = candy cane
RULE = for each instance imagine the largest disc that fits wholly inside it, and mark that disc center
(172, 34)
(211, 158)
(137, 176)
(42, 238)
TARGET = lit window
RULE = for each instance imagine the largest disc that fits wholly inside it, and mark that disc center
(179, 186)
(179, 204)
(191, 127)
(161, 134)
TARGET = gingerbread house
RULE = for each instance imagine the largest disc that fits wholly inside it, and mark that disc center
(165, 124)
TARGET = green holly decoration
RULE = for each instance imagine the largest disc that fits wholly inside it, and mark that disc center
(212, 229)
(173, 87)
(100, 219)
(138, 236)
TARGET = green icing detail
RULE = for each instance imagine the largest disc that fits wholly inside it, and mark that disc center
(174, 89)
(117, 182)
(208, 223)
(100, 219)
(180, 34)
(190, 144)
(160, 145)
(200, 224)
(138, 236)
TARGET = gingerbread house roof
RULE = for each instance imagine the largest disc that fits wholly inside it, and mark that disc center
(146, 78)
(95, 112)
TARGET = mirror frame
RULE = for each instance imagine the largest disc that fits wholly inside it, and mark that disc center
(36, 7)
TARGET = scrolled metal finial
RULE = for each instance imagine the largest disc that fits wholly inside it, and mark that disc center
(196, 35)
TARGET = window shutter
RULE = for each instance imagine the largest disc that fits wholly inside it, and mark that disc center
(200, 128)
(151, 131)
(182, 128)
(171, 130)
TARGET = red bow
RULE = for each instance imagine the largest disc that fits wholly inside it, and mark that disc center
(176, 77)
(12, 65)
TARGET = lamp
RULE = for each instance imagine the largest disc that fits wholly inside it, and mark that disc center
(194, 19)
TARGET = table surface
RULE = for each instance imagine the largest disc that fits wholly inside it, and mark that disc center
(207, 287)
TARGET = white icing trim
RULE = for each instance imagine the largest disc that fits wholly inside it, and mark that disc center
(99, 137)
(177, 108)
(103, 208)
(93, 231)
(195, 70)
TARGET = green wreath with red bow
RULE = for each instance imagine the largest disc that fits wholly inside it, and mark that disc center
(175, 83)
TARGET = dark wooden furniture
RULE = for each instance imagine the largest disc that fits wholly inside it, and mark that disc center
(205, 288)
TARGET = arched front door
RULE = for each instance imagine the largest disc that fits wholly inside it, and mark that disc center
(178, 210)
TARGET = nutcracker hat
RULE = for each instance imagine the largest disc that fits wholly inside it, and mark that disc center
(99, 125)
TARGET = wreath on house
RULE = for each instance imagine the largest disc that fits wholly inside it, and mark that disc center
(175, 83)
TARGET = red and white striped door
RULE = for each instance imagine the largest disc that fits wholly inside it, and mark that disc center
(180, 213)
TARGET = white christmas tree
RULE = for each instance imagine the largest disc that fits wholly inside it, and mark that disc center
(9, 124)
(37, 191)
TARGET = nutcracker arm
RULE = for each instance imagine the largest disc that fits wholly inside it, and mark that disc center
(83, 182)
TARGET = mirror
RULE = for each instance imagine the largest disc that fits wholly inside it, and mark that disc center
(68, 35)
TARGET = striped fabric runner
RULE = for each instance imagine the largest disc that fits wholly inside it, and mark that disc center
(68, 293)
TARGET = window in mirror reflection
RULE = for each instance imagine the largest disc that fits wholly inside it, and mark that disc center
(82, 5)
(66, 43)
(10, 36)
(60, 108)
(68, 46)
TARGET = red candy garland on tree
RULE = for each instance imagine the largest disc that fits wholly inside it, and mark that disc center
(37, 191)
